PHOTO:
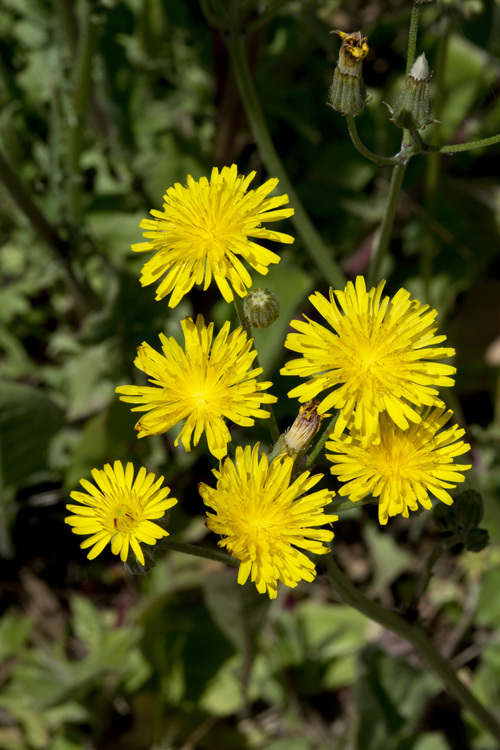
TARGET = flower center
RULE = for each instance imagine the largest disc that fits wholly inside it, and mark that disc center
(123, 519)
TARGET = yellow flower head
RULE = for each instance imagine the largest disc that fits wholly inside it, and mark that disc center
(353, 51)
(266, 521)
(202, 383)
(206, 228)
(120, 510)
(379, 356)
(405, 467)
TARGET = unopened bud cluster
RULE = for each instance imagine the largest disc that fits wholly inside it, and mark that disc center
(261, 308)
(348, 93)
(461, 520)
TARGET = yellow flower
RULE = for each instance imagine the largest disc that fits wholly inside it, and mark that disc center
(379, 356)
(405, 467)
(204, 230)
(120, 510)
(266, 521)
(203, 384)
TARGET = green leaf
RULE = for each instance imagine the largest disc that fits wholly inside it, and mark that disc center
(388, 557)
(390, 697)
(15, 629)
(28, 419)
(238, 611)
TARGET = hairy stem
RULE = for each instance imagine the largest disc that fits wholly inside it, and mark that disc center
(82, 84)
(197, 551)
(418, 639)
(382, 161)
(318, 251)
(381, 243)
(272, 423)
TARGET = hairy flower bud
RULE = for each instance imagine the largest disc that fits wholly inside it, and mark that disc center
(413, 108)
(298, 437)
(261, 308)
(347, 93)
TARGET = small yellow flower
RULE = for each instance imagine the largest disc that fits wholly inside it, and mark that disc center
(203, 383)
(204, 231)
(120, 510)
(378, 356)
(266, 521)
(405, 467)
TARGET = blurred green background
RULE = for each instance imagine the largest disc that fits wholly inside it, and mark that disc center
(104, 105)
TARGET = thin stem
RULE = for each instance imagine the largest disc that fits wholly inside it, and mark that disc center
(272, 423)
(48, 233)
(82, 84)
(6, 547)
(311, 458)
(481, 143)
(382, 161)
(433, 169)
(311, 238)
(385, 231)
(267, 16)
(197, 551)
(418, 639)
(412, 37)
(24, 201)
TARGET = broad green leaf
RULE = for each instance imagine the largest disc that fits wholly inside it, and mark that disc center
(28, 419)
(238, 611)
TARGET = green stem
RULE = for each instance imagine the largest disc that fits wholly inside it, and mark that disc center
(433, 167)
(267, 16)
(311, 238)
(381, 243)
(82, 84)
(20, 195)
(412, 37)
(418, 639)
(382, 161)
(197, 551)
(456, 148)
(6, 547)
(311, 458)
(272, 423)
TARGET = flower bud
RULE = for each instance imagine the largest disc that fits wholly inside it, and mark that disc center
(347, 93)
(298, 437)
(468, 509)
(413, 108)
(477, 540)
(261, 308)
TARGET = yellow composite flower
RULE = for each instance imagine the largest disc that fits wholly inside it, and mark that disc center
(378, 355)
(119, 510)
(203, 383)
(206, 229)
(405, 468)
(266, 521)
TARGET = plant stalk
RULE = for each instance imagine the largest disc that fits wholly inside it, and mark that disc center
(381, 161)
(312, 240)
(418, 639)
(381, 243)
(272, 423)
(87, 44)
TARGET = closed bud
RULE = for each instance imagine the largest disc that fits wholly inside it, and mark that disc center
(444, 517)
(469, 509)
(261, 308)
(347, 93)
(413, 108)
(298, 437)
(477, 540)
